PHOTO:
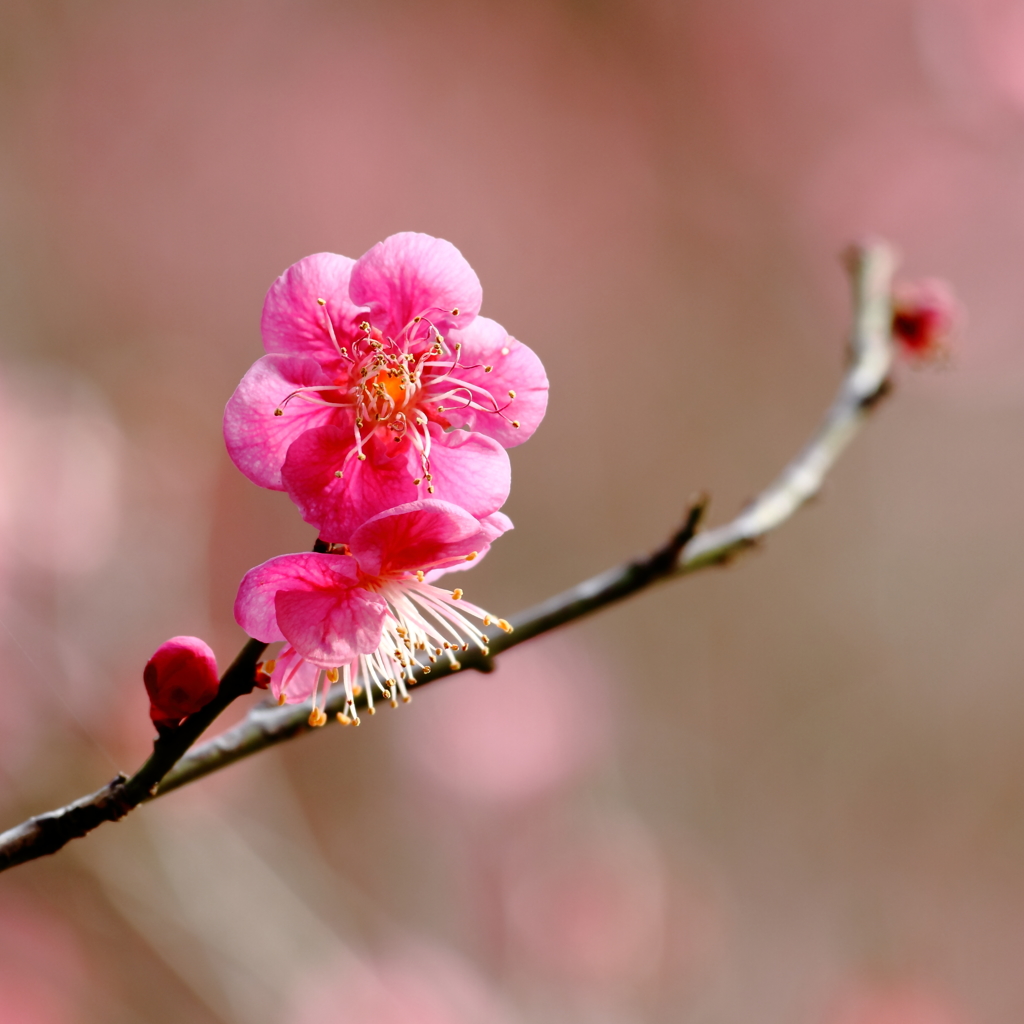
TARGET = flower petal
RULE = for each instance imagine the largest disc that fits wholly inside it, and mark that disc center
(421, 535)
(410, 275)
(331, 627)
(256, 439)
(491, 527)
(294, 323)
(255, 609)
(293, 676)
(469, 470)
(337, 505)
(515, 368)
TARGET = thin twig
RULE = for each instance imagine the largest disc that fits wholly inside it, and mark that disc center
(47, 833)
(866, 380)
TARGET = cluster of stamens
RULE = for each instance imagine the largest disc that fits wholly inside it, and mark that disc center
(423, 624)
(398, 385)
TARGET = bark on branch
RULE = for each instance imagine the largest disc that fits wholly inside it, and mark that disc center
(173, 764)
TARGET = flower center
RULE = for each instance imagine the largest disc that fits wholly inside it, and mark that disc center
(396, 386)
(423, 623)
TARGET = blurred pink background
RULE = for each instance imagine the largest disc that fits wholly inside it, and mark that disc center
(791, 791)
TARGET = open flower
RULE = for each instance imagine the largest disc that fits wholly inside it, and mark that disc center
(372, 365)
(366, 615)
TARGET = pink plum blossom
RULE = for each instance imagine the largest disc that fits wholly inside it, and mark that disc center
(181, 678)
(364, 614)
(373, 365)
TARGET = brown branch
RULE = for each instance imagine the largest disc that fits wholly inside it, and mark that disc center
(864, 383)
(47, 833)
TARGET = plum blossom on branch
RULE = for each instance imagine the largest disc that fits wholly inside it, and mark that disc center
(870, 355)
(366, 615)
(335, 609)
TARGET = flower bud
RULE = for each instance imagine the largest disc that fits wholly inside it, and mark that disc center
(924, 315)
(180, 678)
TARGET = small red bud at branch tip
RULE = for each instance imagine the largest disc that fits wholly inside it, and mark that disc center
(925, 316)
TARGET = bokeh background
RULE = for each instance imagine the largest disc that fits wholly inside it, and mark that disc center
(791, 791)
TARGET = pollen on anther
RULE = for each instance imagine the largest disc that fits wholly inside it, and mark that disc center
(471, 556)
(418, 481)
(511, 394)
(338, 473)
(281, 700)
(321, 302)
(455, 311)
(362, 458)
(456, 594)
(505, 625)
(515, 423)
(279, 412)
(332, 675)
(343, 719)
(269, 666)
(430, 489)
(487, 369)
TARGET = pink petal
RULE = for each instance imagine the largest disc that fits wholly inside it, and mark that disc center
(331, 627)
(255, 609)
(495, 525)
(409, 275)
(338, 505)
(293, 676)
(295, 323)
(491, 527)
(519, 369)
(416, 536)
(469, 470)
(256, 439)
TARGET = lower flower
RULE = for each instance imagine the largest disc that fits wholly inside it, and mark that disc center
(369, 616)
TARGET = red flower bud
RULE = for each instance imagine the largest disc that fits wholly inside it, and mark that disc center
(924, 315)
(180, 678)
